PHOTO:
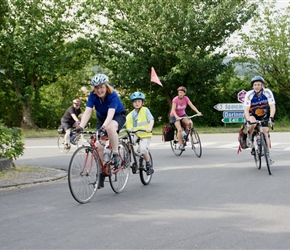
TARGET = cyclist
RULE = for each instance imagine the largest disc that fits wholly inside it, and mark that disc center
(256, 105)
(141, 118)
(71, 119)
(110, 112)
(179, 104)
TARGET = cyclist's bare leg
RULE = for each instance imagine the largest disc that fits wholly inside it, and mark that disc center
(252, 127)
(187, 124)
(67, 136)
(265, 130)
(179, 131)
(113, 135)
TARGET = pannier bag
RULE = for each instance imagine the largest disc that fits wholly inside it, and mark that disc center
(242, 138)
(168, 132)
(60, 130)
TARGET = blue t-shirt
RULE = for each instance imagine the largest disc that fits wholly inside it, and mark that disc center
(111, 101)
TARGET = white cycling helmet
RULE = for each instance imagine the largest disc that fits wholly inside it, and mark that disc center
(99, 79)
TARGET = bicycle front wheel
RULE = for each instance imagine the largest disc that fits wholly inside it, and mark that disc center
(174, 145)
(195, 142)
(145, 179)
(60, 143)
(84, 174)
(266, 152)
(119, 177)
(257, 154)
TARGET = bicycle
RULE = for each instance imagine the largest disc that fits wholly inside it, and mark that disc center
(194, 140)
(138, 163)
(87, 169)
(260, 146)
(65, 148)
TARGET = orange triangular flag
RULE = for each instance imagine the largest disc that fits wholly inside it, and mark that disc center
(154, 77)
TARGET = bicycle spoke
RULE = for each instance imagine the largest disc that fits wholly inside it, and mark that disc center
(84, 174)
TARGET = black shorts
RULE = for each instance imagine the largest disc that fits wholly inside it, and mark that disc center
(259, 118)
(119, 118)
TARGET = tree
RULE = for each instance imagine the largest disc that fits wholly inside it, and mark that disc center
(178, 38)
(266, 47)
(37, 47)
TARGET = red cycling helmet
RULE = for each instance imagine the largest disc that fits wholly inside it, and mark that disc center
(76, 101)
(181, 88)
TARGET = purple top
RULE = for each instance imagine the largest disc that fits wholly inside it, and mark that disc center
(180, 107)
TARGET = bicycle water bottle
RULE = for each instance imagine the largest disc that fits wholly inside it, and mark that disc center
(107, 155)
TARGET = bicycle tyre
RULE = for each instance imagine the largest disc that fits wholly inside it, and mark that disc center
(119, 177)
(195, 142)
(174, 145)
(257, 155)
(61, 146)
(145, 179)
(266, 151)
(84, 174)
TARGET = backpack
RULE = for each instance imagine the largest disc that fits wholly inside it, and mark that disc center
(60, 130)
(242, 138)
(168, 132)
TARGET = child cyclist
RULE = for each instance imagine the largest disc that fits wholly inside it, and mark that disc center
(141, 118)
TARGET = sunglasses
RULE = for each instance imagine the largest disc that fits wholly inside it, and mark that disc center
(77, 104)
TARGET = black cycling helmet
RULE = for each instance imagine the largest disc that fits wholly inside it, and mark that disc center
(257, 79)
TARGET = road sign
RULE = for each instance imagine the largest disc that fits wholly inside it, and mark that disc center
(241, 95)
(229, 106)
(233, 114)
(233, 120)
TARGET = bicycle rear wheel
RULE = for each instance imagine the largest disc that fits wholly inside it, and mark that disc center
(84, 174)
(145, 179)
(174, 145)
(195, 142)
(119, 177)
(61, 145)
(266, 152)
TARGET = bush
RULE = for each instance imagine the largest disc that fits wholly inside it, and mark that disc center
(11, 145)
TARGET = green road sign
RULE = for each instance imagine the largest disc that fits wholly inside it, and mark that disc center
(233, 120)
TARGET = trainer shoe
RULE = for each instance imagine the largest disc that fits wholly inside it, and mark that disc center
(181, 147)
(149, 169)
(73, 140)
(270, 160)
(249, 141)
(116, 159)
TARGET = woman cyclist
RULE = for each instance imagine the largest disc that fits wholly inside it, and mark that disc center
(110, 112)
(179, 104)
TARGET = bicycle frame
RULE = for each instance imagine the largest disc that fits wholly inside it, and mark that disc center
(261, 147)
(136, 166)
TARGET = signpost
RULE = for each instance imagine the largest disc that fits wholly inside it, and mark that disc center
(229, 106)
(233, 112)
(233, 120)
(241, 95)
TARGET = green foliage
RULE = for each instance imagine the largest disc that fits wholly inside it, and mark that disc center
(11, 145)
(267, 49)
(178, 38)
(36, 48)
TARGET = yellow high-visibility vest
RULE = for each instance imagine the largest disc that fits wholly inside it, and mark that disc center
(142, 122)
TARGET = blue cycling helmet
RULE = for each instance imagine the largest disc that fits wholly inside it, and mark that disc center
(257, 79)
(137, 95)
(99, 79)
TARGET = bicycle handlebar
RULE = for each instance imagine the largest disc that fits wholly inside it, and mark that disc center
(259, 122)
(188, 117)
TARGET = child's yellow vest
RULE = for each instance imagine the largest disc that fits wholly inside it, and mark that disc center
(142, 122)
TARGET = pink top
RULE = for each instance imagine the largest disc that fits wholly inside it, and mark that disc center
(180, 108)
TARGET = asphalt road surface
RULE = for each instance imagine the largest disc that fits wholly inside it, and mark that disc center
(218, 201)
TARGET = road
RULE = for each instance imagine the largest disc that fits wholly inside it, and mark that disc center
(218, 201)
